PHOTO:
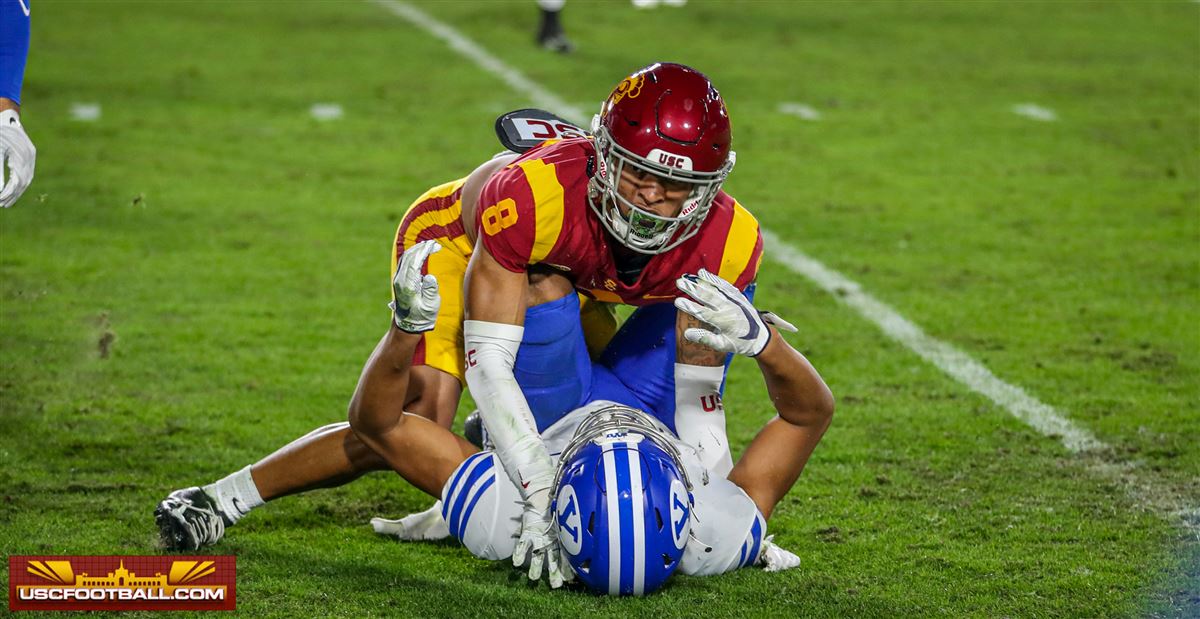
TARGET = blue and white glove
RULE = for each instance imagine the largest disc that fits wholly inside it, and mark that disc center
(737, 326)
(417, 301)
(17, 156)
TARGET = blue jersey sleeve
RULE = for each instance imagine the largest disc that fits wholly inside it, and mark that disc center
(14, 46)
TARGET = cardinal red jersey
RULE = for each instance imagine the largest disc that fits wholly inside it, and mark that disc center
(536, 211)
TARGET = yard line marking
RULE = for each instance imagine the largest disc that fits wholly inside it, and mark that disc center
(801, 110)
(945, 357)
(86, 112)
(461, 44)
(954, 362)
(1035, 112)
(326, 111)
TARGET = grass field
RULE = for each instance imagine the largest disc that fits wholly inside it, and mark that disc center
(197, 276)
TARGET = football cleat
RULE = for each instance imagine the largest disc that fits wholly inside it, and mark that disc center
(474, 431)
(189, 519)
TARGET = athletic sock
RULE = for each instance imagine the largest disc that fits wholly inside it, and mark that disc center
(235, 495)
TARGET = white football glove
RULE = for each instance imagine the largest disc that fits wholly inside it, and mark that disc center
(19, 154)
(538, 541)
(776, 559)
(417, 301)
(738, 327)
(426, 525)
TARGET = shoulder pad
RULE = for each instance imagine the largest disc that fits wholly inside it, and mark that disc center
(521, 130)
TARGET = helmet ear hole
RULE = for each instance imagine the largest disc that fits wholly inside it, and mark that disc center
(592, 524)
(586, 566)
(667, 560)
(658, 517)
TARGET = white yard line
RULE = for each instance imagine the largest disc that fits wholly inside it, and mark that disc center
(945, 357)
(1035, 112)
(949, 359)
(326, 111)
(515, 79)
(86, 112)
(800, 110)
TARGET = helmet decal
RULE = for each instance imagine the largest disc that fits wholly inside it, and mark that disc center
(629, 87)
(670, 160)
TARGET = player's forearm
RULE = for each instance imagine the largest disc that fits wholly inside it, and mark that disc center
(796, 389)
(772, 463)
(777, 455)
(9, 104)
(383, 383)
(495, 311)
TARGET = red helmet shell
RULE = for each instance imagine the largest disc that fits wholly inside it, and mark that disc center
(671, 116)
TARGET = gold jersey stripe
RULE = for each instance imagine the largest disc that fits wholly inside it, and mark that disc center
(440, 191)
(442, 351)
(548, 198)
(739, 244)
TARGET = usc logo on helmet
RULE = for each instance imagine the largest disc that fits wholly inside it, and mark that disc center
(629, 87)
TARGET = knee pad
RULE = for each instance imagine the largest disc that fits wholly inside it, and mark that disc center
(482, 507)
(552, 365)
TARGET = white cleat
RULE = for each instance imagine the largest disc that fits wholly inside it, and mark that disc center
(776, 559)
(427, 525)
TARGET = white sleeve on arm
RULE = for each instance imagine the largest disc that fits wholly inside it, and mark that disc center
(491, 352)
(700, 415)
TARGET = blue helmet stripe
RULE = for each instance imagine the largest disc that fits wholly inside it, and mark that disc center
(462, 527)
(628, 548)
(485, 464)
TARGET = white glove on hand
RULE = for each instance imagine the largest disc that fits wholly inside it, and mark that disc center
(738, 327)
(19, 154)
(426, 525)
(417, 301)
(776, 559)
(538, 541)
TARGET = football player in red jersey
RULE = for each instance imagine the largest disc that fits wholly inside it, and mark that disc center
(623, 216)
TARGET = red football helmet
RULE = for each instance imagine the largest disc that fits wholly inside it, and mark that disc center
(668, 120)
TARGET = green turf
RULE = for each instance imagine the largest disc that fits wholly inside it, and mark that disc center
(197, 278)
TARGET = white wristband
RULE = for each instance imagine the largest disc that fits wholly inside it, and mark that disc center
(700, 415)
(491, 351)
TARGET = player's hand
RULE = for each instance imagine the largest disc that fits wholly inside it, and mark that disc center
(17, 156)
(417, 301)
(775, 558)
(538, 542)
(738, 327)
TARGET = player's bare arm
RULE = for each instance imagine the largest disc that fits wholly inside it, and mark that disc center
(773, 461)
(775, 458)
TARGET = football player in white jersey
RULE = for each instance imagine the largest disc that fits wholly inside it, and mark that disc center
(633, 503)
